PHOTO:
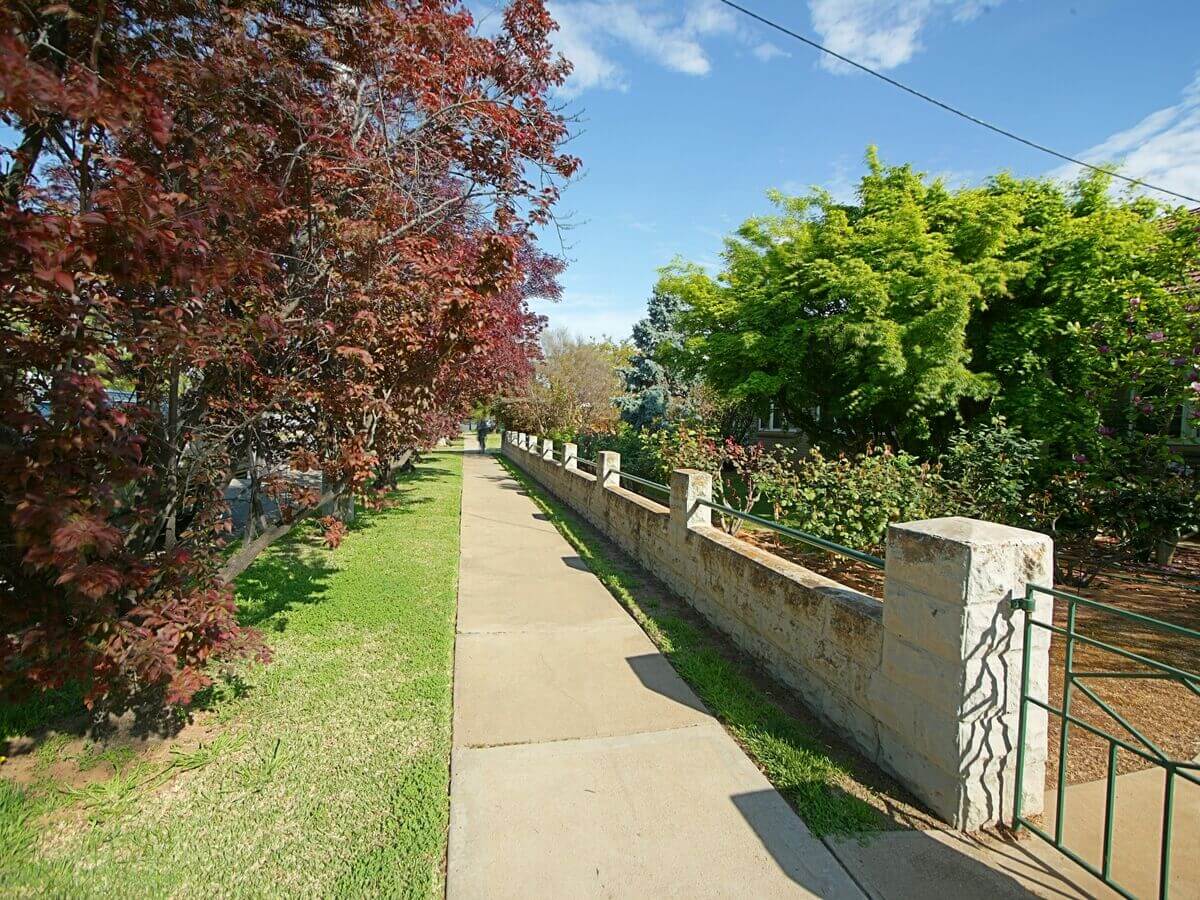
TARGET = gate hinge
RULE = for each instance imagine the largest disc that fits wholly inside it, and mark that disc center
(1026, 603)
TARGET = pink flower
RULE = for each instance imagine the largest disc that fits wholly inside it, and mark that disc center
(1080, 458)
(1156, 337)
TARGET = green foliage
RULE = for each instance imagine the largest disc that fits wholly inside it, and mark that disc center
(889, 320)
(117, 796)
(743, 474)
(94, 755)
(988, 470)
(852, 500)
(637, 448)
(655, 392)
(1138, 494)
(16, 834)
(35, 711)
(852, 319)
(204, 754)
(688, 447)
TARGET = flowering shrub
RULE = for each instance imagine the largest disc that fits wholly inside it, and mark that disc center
(988, 471)
(1139, 495)
(851, 500)
(743, 474)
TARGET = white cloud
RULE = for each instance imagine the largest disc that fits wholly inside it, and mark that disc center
(882, 34)
(766, 51)
(591, 32)
(591, 67)
(1163, 148)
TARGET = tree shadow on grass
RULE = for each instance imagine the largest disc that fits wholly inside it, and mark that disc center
(296, 573)
(292, 573)
(297, 570)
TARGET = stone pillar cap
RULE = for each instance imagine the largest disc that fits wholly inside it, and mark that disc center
(971, 531)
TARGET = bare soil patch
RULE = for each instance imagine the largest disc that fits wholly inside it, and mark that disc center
(70, 758)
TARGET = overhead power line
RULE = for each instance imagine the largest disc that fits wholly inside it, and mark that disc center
(951, 109)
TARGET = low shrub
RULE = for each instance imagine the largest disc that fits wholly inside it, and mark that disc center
(638, 454)
(1140, 495)
(988, 472)
(852, 499)
(743, 474)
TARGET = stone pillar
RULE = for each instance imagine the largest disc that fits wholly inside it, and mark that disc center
(948, 693)
(533, 444)
(687, 487)
(570, 456)
(608, 469)
(548, 450)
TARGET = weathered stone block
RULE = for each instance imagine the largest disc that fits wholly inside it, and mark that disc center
(688, 487)
(950, 681)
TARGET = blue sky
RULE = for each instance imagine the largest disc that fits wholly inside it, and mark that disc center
(689, 113)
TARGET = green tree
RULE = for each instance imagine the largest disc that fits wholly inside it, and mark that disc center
(853, 319)
(650, 387)
(897, 317)
(571, 389)
(1096, 344)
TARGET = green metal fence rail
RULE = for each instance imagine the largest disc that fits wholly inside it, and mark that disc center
(795, 534)
(1137, 742)
(645, 482)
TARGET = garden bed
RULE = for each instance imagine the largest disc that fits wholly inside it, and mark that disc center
(1165, 711)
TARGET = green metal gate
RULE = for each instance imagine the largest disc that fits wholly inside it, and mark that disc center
(1136, 742)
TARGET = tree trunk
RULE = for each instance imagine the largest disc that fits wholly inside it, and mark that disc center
(169, 535)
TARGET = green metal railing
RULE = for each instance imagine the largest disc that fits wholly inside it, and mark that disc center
(645, 482)
(797, 535)
(794, 533)
(1137, 743)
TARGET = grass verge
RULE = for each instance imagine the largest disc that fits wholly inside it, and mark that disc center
(324, 773)
(792, 755)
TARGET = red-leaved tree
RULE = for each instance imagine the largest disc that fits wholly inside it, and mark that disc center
(238, 237)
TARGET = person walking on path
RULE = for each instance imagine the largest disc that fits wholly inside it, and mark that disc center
(482, 430)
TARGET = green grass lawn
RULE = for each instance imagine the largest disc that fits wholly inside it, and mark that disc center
(794, 756)
(324, 773)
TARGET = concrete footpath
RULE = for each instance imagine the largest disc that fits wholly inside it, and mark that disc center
(583, 766)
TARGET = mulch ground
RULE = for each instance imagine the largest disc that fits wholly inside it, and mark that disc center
(1164, 711)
